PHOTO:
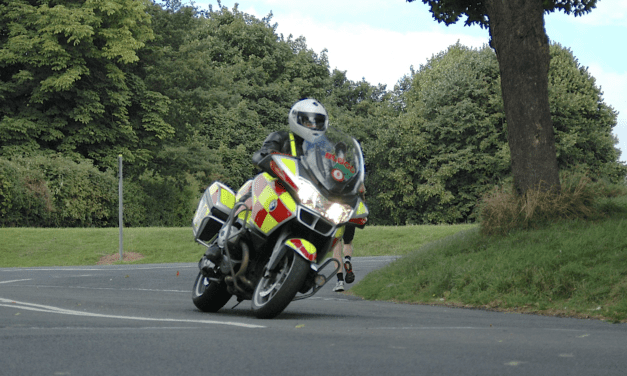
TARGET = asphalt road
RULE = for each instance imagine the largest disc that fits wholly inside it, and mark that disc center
(139, 320)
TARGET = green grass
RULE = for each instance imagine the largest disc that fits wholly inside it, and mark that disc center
(30, 247)
(570, 268)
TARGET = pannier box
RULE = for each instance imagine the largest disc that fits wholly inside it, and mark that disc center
(213, 209)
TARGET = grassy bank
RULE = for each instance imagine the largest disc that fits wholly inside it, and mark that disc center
(570, 268)
(29, 247)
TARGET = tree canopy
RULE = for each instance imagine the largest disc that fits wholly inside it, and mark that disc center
(67, 82)
(187, 96)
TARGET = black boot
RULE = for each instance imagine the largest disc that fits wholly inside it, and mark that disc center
(214, 253)
(209, 261)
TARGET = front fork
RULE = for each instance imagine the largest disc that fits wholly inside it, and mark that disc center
(306, 250)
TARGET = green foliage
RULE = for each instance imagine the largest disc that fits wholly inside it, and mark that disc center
(448, 145)
(188, 95)
(582, 122)
(231, 80)
(66, 81)
(54, 191)
(450, 11)
(444, 144)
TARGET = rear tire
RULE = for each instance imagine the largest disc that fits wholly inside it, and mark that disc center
(209, 296)
(273, 294)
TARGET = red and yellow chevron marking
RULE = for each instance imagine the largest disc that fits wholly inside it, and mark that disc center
(271, 204)
(304, 247)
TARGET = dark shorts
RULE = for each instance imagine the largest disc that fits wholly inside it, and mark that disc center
(349, 234)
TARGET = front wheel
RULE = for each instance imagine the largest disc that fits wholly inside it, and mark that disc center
(209, 296)
(274, 292)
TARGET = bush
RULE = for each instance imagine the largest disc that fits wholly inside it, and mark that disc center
(55, 191)
(163, 201)
(503, 210)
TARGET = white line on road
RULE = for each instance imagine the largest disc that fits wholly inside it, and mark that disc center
(108, 288)
(50, 309)
(17, 280)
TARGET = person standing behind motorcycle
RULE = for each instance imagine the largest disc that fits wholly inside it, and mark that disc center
(345, 247)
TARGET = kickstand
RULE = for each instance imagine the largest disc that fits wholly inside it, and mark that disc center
(238, 302)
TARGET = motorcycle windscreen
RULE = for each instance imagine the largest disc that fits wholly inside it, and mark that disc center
(336, 161)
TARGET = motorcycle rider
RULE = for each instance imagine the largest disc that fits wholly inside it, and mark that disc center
(307, 120)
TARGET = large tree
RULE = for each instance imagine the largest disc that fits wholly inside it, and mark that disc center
(518, 36)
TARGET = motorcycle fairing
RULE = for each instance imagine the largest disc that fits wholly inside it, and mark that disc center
(272, 205)
(360, 216)
(303, 248)
(286, 168)
(244, 189)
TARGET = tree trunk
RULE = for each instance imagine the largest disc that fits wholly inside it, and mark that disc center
(522, 49)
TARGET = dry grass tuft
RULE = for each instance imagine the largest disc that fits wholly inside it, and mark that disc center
(503, 210)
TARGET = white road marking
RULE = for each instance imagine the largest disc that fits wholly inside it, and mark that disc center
(430, 328)
(109, 288)
(105, 268)
(16, 280)
(50, 309)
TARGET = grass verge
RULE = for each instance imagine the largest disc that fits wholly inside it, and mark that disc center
(569, 268)
(31, 247)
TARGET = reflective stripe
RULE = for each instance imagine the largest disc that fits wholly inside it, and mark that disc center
(304, 247)
(293, 145)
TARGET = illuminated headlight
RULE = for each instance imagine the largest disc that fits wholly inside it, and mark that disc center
(311, 198)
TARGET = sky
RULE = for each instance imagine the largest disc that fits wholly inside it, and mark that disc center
(380, 40)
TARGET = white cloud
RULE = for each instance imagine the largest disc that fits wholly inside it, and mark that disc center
(378, 55)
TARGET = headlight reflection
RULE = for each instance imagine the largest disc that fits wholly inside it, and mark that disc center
(311, 198)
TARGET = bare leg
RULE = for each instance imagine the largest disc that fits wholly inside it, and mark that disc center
(348, 249)
(337, 254)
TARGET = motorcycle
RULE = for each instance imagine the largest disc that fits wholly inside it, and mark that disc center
(274, 233)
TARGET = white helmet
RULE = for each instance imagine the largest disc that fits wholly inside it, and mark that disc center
(308, 119)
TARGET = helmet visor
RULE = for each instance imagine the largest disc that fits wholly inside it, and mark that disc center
(311, 120)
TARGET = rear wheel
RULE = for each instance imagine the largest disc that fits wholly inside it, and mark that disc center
(275, 291)
(209, 296)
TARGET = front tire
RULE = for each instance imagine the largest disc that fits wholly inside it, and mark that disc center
(209, 296)
(274, 293)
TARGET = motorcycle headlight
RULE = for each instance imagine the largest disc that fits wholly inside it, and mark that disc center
(311, 198)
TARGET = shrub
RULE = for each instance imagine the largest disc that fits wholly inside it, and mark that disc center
(55, 191)
(503, 210)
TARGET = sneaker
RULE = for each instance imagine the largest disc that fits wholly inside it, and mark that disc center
(339, 287)
(348, 269)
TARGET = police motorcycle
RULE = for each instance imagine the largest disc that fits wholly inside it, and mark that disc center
(274, 233)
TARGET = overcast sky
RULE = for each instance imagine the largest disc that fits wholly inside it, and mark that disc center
(380, 40)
